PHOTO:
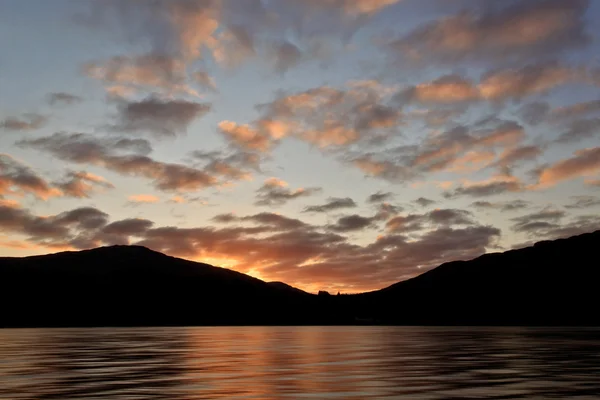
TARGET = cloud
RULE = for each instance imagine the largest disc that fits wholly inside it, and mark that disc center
(333, 203)
(424, 202)
(128, 227)
(450, 217)
(533, 79)
(459, 149)
(150, 72)
(62, 98)
(380, 197)
(523, 30)
(285, 56)
(583, 162)
(506, 206)
(142, 199)
(234, 32)
(351, 223)
(236, 165)
(327, 117)
(512, 156)
(274, 193)
(83, 218)
(17, 178)
(580, 130)
(270, 221)
(542, 221)
(534, 113)
(245, 137)
(203, 79)
(125, 156)
(445, 90)
(53, 230)
(82, 184)
(575, 110)
(493, 186)
(583, 202)
(435, 218)
(463, 148)
(159, 117)
(27, 122)
(593, 182)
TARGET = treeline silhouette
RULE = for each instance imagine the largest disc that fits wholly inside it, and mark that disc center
(550, 283)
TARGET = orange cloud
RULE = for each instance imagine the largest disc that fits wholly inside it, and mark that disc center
(18, 178)
(151, 71)
(519, 83)
(244, 136)
(143, 198)
(447, 89)
(583, 163)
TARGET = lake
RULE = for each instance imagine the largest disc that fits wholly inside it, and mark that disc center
(299, 362)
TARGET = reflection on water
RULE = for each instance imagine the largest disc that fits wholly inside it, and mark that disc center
(295, 363)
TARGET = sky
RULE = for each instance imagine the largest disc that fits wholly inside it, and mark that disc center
(339, 145)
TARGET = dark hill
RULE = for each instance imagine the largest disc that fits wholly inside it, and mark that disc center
(132, 285)
(550, 283)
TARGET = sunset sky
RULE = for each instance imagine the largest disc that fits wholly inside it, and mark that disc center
(329, 144)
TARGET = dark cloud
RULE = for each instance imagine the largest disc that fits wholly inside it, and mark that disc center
(351, 223)
(542, 220)
(236, 165)
(521, 30)
(83, 218)
(16, 177)
(424, 202)
(450, 217)
(506, 206)
(485, 189)
(583, 202)
(333, 203)
(552, 229)
(534, 113)
(386, 211)
(576, 110)
(82, 184)
(380, 197)
(438, 217)
(275, 221)
(274, 193)
(20, 221)
(107, 153)
(27, 122)
(128, 227)
(159, 117)
(62, 98)
(580, 130)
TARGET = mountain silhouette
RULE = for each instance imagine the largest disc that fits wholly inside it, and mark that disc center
(550, 283)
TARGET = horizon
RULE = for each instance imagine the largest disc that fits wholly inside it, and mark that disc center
(330, 145)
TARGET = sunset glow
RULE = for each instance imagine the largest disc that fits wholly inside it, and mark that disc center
(331, 145)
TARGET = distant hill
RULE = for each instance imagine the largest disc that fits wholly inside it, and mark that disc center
(550, 283)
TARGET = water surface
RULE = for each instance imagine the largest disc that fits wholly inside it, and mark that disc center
(299, 363)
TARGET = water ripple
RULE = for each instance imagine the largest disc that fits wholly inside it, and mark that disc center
(299, 363)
